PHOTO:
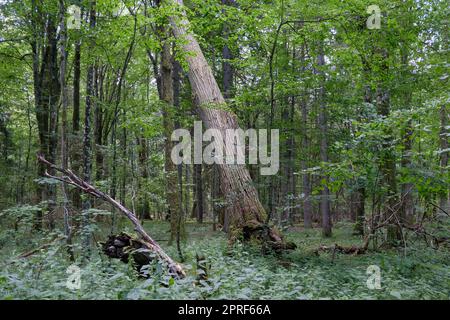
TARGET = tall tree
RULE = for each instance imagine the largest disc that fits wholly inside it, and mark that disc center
(245, 211)
(323, 126)
(306, 180)
(167, 95)
(75, 150)
(87, 145)
(46, 92)
(64, 102)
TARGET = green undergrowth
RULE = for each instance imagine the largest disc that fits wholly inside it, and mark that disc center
(240, 272)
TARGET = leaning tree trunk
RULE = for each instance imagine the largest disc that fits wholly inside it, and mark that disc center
(244, 210)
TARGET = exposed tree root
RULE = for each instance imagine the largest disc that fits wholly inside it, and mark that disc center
(270, 238)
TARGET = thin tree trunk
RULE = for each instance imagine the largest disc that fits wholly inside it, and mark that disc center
(124, 146)
(75, 154)
(358, 196)
(407, 188)
(228, 73)
(323, 125)
(306, 182)
(199, 202)
(64, 100)
(143, 155)
(46, 90)
(172, 196)
(98, 127)
(227, 81)
(387, 161)
(176, 103)
(444, 135)
(87, 147)
(53, 90)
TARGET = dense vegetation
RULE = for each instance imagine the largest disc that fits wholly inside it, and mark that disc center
(97, 87)
(233, 273)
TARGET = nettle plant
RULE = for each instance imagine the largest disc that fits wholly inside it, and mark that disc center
(21, 216)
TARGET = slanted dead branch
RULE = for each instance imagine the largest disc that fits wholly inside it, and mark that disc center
(71, 178)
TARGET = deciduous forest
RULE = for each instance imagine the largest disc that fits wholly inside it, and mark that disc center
(353, 96)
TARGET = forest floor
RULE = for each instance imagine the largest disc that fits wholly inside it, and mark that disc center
(417, 272)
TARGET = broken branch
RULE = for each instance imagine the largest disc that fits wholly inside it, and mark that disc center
(72, 179)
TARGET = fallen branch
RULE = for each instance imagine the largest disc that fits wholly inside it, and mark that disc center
(44, 246)
(355, 250)
(70, 178)
(438, 207)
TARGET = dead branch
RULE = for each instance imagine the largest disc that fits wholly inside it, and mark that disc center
(44, 246)
(70, 178)
(438, 207)
(355, 250)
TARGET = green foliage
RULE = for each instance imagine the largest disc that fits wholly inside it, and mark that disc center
(235, 273)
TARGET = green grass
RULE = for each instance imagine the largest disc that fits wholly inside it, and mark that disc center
(240, 272)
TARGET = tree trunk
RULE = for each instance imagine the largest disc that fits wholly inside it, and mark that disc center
(98, 126)
(87, 147)
(172, 195)
(40, 112)
(228, 77)
(53, 90)
(358, 195)
(199, 202)
(75, 154)
(179, 224)
(407, 189)
(323, 125)
(387, 160)
(143, 155)
(64, 100)
(245, 211)
(227, 56)
(46, 91)
(444, 135)
(306, 183)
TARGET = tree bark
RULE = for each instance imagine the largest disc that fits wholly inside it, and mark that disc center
(75, 154)
(172, 194)
(46, 91)
(407, 189)
(306, 183)
(98, 125)
(444, 142)
(387, 160)
(64, 100)
(199, 204)
(87, 145)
